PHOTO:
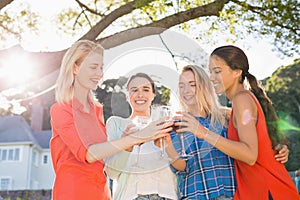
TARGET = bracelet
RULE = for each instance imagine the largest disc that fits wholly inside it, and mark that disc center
(212, 140)
(174, 159)
(206, 134)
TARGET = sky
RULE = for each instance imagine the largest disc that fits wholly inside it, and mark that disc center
(263, 61)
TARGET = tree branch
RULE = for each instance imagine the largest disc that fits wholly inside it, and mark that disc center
(211, 9)
(53, 63)
(16, 34)
(257, 10)
(85, 7)
(108, 19)
(4, 3)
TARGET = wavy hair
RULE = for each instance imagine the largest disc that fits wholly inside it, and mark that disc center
(206, 96)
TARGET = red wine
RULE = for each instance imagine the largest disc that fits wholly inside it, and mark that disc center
(175, 128)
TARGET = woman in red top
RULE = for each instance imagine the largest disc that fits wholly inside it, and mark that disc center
(79, 142)
(251, 140)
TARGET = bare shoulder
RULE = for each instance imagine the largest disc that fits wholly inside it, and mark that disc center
(244, 101)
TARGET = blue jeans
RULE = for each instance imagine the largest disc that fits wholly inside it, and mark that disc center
(151, 197)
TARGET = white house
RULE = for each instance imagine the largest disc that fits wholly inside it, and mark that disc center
(25, 160)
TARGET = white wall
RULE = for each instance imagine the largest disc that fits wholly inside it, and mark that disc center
(16, 169)
(24, 173)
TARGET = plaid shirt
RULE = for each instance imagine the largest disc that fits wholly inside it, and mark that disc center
(209, 172)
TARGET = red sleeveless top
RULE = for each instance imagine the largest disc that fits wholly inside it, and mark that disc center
(267, 174)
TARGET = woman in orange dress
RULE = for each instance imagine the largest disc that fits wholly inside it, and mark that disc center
(79, 142)
(253, 136)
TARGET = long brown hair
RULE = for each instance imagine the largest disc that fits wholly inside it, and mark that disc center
(235, 58)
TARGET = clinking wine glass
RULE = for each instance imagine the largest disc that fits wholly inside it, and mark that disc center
(140, 122)
(159, 112)
(182, 154)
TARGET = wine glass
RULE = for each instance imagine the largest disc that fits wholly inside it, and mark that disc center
(182, 154)
(140, 122)
(159, 112)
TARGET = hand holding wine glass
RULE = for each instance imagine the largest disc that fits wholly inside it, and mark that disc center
(140, 122)
(148, 130)
(180, 127)
(154, 130)
(159, 112)
(130, 129)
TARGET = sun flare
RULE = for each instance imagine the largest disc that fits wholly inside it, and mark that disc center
(17, 68)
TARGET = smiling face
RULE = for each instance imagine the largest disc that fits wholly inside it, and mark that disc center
(141, 95)
(221, 75)
(89, 72)
(187, 88)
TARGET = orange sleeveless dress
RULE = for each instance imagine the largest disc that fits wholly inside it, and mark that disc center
(267, 174)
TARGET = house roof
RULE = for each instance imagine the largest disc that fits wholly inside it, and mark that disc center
(14, 129)
(43, 138)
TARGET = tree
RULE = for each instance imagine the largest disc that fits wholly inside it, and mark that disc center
(294, 146)
(134, 19)
(14, 22)
(276, 19)
(273, 19)
(283, 89)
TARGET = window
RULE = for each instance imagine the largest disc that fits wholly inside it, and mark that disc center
(35, 158)
(9, 154)
(45, 159)
(5, 183)
(17, 154)
(3, 154)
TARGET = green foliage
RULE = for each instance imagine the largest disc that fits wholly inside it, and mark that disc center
(277, 21)
(14, 21)
(283, 89)
(294, 156)
(155, 10)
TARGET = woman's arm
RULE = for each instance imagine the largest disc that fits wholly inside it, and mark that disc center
(153, 131)
(244, 120)
(174, 157)
(245, 115)
(115, 164)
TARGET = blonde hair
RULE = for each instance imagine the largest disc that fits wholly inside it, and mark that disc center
(75, 55)
(206, 96)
